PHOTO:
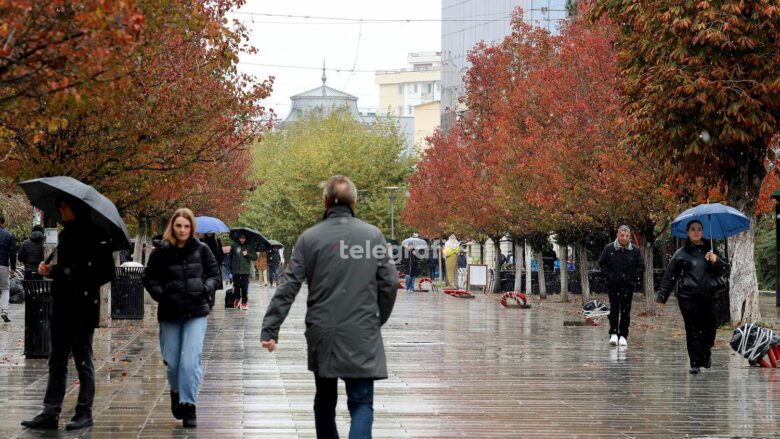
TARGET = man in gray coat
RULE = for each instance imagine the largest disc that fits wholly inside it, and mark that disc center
(352, 288)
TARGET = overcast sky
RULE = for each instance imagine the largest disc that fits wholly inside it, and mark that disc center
(286, 41)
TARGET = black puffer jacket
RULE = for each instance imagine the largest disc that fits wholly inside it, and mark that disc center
(181, 280)
(622, 266)
(696, 276)
(31, 252)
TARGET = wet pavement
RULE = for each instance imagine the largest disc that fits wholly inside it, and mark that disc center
(458, 368)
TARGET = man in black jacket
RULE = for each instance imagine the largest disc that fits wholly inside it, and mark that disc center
(7, 265)
(622, 264)
(31, 253)
(83, 264)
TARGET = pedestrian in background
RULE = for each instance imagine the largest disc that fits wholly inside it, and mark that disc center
(699, 270)
(242, 257)
(349, 299)
(181, 277)
(31, 253)
(622, 264)
(84, 263)
(8, 252)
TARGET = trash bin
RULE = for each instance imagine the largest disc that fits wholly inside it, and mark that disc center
(127, 294)
(37, 318)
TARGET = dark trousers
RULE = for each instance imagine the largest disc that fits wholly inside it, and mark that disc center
(66, 338)
(620, 299)
(360, 401)
(241, 286)
(701, 324)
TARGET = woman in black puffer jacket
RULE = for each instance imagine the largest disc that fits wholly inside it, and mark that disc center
(181, 276)
(699, 270)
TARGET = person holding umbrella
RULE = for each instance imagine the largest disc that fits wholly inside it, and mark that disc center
(84, 262)
(242, 257)
(699, 270)
(181, 276)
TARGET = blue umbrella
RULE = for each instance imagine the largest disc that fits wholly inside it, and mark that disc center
(718, 221)
(208, 224)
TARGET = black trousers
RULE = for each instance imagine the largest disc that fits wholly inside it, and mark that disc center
(241, 286)
(701, 324)
(620, 299)
(66, 338)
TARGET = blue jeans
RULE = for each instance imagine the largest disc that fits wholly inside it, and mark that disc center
(410, 283)
(181, 344)
(360, 401)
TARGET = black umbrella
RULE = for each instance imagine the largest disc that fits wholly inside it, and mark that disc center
(275, 243)
(254, 237)
(44, 192)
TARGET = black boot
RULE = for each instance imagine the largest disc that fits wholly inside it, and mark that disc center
(79, 421)
(189, 419)
(175, 406)
(43, 421)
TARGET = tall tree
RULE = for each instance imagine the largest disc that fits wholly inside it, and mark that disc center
(701, 83)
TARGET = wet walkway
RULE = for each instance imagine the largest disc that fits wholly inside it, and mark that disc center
(459, 368)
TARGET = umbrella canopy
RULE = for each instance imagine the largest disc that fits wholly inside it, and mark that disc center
(252, 236)
(275, 243)
(416, 242)
(44, 192)
(209, 224)
(718, 221)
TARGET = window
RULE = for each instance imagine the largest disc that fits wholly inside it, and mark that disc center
(400, 110)
(410, 110)
(400, 89)
(415, 87)
(429, 90)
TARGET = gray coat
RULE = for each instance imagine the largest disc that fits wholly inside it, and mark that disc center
(350, 297)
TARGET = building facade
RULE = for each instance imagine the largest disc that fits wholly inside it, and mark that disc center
(467, 22)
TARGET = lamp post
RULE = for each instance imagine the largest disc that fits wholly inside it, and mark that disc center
(776, 197)
(392, 193)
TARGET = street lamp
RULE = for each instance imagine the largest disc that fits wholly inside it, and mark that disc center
(392, 193)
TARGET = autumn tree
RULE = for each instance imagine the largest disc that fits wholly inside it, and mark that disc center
(701, 84)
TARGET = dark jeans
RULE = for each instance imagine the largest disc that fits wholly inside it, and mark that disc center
(701, 324)
(360, 401)
(67, 337)
(620, 310)
(241, 286)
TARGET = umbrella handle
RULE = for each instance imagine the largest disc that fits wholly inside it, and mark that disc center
(51, 256)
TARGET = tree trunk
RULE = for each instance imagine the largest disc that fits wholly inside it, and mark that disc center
(584, 267)
(140, 239)
(564, 256)
(649, 284)
(540, 268)
(497, 264)
(518, 267)
(105, 300)
(743, 284)
(527, 260)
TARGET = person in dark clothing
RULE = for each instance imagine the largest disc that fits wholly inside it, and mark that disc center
(462, 261)
(215, 245)
(7, 266)
(31, 253)
(350, 298)
(700, 272)
(622, 265)
(181, 277)
(274, 260)
(242, 257)
(83, 264)
(413, 268)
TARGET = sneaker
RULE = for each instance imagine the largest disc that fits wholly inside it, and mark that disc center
(613, 340)
(5, 318)
(622, 341)
(244, 306)
(694, 370)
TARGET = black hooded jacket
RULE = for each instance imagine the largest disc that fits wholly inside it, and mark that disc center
(31, 251)
(182, 279)
(696, 276)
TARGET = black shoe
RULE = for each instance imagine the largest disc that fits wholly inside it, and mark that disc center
(694, 370)
(189, 419)
(42, 422)
(5, 318)
(175, 406)
(79, 421)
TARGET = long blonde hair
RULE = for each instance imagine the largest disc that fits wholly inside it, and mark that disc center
(180, 213)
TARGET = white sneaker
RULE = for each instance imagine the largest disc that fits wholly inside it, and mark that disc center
(623, 341)
(613, 340)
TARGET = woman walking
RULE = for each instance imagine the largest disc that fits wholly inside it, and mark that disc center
(700, 271)
(181, 276)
